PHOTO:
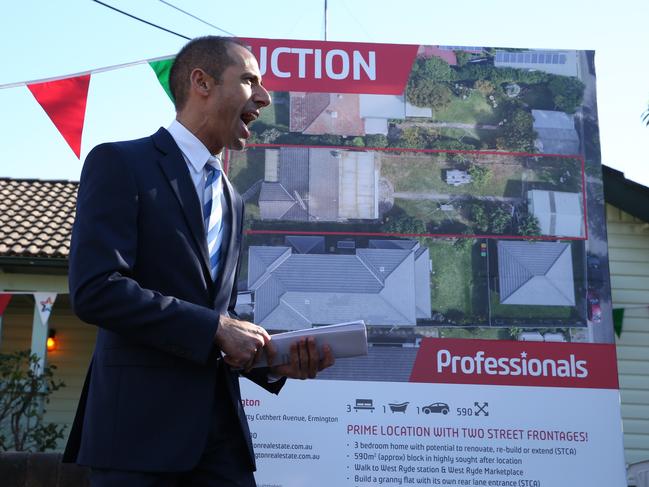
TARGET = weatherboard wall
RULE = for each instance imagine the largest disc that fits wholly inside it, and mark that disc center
(628, 240)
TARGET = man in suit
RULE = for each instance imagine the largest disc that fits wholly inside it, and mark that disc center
(153, 262)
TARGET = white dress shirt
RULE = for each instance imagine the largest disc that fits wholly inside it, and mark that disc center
(196, 156)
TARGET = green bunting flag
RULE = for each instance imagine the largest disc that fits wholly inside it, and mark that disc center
(161, 69)
(618, 317)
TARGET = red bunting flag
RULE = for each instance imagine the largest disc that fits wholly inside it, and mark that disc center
(4, 302)
(64, 101)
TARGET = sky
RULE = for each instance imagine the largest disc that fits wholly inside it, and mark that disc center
(42, 39)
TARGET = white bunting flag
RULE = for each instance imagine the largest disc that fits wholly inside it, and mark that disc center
(44, 302)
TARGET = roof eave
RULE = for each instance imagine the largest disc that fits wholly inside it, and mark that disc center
(33, 263)
(625, 194)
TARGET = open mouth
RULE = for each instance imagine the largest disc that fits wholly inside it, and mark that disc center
(246, 119)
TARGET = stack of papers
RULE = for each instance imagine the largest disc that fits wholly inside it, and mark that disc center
(345, 339)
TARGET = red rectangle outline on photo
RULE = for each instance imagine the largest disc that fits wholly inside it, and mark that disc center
(431, 151)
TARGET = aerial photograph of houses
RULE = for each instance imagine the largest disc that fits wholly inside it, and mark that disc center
(460, 208)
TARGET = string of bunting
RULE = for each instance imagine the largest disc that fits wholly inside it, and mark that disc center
(63, 98)
(43, 303)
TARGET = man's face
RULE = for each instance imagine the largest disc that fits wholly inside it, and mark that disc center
(235, 101)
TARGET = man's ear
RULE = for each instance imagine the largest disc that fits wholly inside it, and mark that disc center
(200, 82)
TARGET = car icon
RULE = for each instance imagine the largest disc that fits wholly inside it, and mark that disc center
(436, 407)
(595, 277)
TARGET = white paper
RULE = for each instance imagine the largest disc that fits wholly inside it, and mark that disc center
(345, 339)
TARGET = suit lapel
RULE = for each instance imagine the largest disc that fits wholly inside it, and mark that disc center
(175, 169)
(230, 256)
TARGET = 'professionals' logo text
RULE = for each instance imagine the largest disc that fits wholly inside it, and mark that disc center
(510, 366)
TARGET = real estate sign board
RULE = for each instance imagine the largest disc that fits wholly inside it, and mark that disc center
(451, 198)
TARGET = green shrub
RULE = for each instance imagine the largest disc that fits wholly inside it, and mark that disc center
(24, 391)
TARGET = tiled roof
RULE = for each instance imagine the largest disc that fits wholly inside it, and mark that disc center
(373, 365)
(378, 285)
(36, 217)
(305, 108)
(306, 244)
(341, 117)
(536, 273)
(445, 54)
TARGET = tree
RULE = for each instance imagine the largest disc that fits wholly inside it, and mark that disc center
(417, 137)
(499, 76)
(428, 83)
(501, 220)
(376, 140)
(355, 142)
(484, 86)
(24, 390)
(480, 218)
(528, 225)
(269, 136)
(518, 131)
(567, 93)
(480, 174)
(462, 57)
(433, 68)
(325, 139)
(462, 244)
(404, 225)
(429, 93)
(451, 144)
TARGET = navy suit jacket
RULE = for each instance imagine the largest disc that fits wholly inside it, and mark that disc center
(139, 270)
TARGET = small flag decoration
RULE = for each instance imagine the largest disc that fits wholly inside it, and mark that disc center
(162, 68)
(44, 302)
(4, 302)
(618, 318)
(64, 101)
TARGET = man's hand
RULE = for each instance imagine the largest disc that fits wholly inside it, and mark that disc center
(242, 342)
(305, 361)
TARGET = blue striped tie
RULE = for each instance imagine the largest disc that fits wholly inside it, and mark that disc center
(213, 213)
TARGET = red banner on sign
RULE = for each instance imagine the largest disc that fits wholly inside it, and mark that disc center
(333, 67)
(498, 362)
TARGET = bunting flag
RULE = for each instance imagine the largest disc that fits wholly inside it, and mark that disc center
(618, 318)
(64, 98)
(44, 302)
(4, 302)
(64, 101)
(161, 69)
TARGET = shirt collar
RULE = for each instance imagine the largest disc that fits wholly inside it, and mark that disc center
(192, 148)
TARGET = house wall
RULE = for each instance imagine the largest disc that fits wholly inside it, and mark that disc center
(17, 324)
(628, 240)
(75, 344)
